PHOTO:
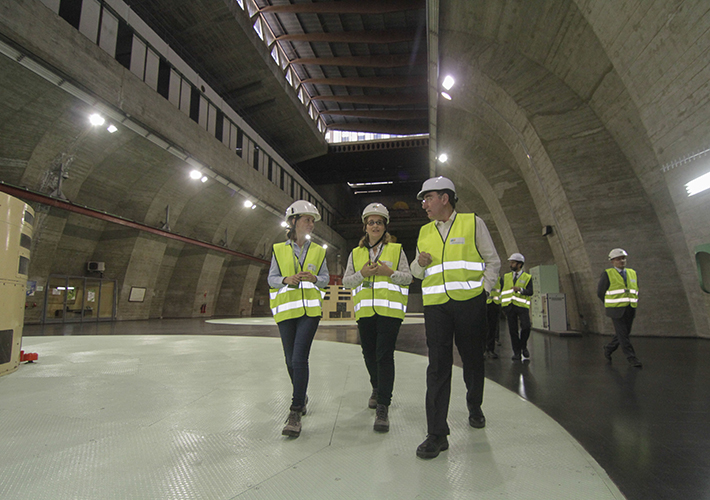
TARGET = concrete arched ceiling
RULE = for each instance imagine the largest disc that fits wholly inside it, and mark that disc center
(537, 75)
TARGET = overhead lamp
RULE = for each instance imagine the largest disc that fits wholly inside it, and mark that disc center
(443, 157)
(96, 120)
(204, 178)
(248, 203)
(111, 128)
(284, 223)
(698, 185)
(308, 236)
(325, 246)
(448, 82)
(362, 184)
(195, 174)
(446, 96)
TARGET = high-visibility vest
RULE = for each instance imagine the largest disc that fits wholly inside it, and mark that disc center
(509, 297)
(292, 302)
(494, 296)
(377, 294)
(621, 294)
(456, 269)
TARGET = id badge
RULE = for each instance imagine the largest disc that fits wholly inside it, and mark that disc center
(367, 284)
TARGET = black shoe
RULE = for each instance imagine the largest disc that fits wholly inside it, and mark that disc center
(526, 353)
(516, 356)
(634, 361)
(476, 418)
(432, 446)
(372, 402)
(607, 354)
(382, 423)
(492, 355)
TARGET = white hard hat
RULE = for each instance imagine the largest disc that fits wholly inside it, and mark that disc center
(376, 209)
(436, 184)
(617, 252)
(302, 207)
(517, 257)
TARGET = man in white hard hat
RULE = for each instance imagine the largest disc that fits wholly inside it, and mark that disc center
(458, 263)
(619, 290)
(515, 300)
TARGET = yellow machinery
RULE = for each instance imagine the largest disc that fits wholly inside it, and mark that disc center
(16, 225)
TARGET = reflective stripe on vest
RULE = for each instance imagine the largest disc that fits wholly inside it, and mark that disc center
(292, 302)
(509, 297)
(456, 270)
(383, 297)
(494, 296)
(621, 294)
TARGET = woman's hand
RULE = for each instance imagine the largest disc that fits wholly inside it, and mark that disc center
(369, 269)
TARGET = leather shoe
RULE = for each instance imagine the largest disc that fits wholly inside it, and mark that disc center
(634, 361)
(476, 418)
(526, 353)
(516, 356)
(492, 355)
(432, 446)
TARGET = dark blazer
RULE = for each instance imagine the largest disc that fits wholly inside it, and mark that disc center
(612, 312)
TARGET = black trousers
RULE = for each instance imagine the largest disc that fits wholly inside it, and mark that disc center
(463, 323)
(515, 315)
(493, 319)
(378, 336)
(622, 327)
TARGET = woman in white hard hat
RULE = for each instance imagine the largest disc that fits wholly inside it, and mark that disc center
(298, 273)
(378, 273)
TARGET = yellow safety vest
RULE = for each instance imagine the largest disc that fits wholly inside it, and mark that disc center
(377, 294)
(456, 270)
(508, 296)
(621, 294)
(494, 296)
(292, 302)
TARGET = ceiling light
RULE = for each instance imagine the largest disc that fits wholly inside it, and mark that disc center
(448, 82)
(248, 203)
(368, 192)
(446, 96)
(361, 184)
(253, 206)
(112, 128)
(325, 246)
(698, 185)
(195, 174)
(308, 236)
(443, 157)
(284, 223)
(204, 179)
(96, 120)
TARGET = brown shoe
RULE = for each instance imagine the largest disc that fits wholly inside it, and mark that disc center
(382, 423)
(293, 424)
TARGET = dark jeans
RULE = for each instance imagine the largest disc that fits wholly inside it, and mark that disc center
(297, 336)
(462, 322)
(622, 327)
(493, 313)
(518, 341)
(378, 336)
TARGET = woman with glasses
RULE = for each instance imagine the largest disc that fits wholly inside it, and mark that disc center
(298, 273)
(378, 273)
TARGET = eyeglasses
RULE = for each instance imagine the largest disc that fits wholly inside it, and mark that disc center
(375, 223)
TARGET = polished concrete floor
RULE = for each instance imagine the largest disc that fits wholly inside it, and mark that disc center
(647, 428)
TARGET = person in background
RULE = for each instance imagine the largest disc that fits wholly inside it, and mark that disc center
(378, 273)
(493, 319)
(458, 263)
(515, 299)
(298, 273)
(618, 288)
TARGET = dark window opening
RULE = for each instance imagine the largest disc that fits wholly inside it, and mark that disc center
(124, 44)
(164, 78)
(240, 142)
(283, 180)
(271, 169)
(70, 11)
(195, 104)
(256, 159)
(25, 241)
(219, 126)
